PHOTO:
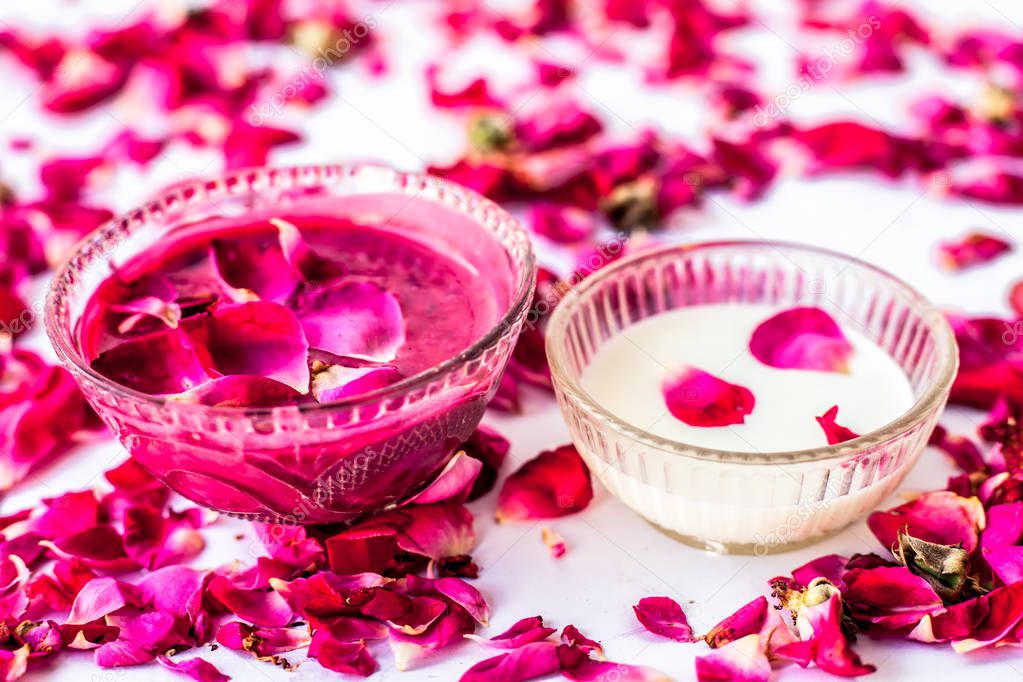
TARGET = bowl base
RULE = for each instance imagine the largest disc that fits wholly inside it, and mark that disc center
(741, 548)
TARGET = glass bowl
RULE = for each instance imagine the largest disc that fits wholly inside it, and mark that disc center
(308, 463)
(749, 502)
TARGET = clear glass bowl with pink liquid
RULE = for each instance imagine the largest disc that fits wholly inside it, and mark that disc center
(464, 273)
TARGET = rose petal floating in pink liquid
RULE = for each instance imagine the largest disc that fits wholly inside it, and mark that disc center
(699, 398)
(353, 319)
(801, 338)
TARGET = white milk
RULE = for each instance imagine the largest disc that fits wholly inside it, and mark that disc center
(627, 373)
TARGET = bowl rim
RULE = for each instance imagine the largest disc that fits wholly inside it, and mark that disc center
(933, 396)
(385, 179)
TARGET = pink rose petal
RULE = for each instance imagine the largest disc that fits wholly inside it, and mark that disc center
(262, 642)
(260, 607)
(159, 363)
(973, 249)
(352, 658)
(453, 483)
(555, 483)
(253, 266)
(259, 338)
(521, 633)
(663, 616)
(576, 665)
(195, 668)
(527, 662)
(353, 319)
(747, 620)
(101, 597)
(361, 550)
(338, 382)
(801, 338)
(740, 660)
(834, 432)
(940, 517)
(699, 398)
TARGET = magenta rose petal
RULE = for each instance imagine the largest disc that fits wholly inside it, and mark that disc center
(14, 576)
(258, 338)
(555, 483)
(561, 224)
(454, 482)
(973, 249)
(409, 650)
(142, 636)
(747, 620)
(262, 642)
(891, 598)
(195, 668)
(490, 448)
(253, 266)
(160, 363)
(525, 631)
(240, 390)
(801, 338)
(663, 616)
(310, 266)
(699, 398)
(571, 636)
(361, 550)
(834, 432)
(338, 382)
(823, 640)
(527, 662)
(353, 319)
(99, 598)
(576, 665)
(740, 660)
(290, 544)
(260, 607)
(437, 531)
(352, 658)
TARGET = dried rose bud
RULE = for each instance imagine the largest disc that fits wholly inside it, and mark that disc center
(632, 205)
(490, 132)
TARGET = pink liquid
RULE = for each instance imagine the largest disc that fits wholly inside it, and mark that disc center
(444, 305)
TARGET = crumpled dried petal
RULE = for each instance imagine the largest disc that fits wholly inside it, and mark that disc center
(699, 398)
(975, 248)
(353, 319)
(554, 483)
(834, 432)
(663, 616)
(801, 338)
(101, 597)
(262, 642)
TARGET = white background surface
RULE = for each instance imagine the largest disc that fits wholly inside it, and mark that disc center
(614, 558)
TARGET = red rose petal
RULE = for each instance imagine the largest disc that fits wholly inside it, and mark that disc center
(254, 266)
(14, 576)
(554, 483)
(834, 432)
(801, 338)
(240, 390)
(361, 550)
(825, 643)
(353, 658)
(338, 382)
(353, 319)
(663, 616)
(892, 598)
(699, 398)
(747, 620)
(256, 606)
(454, 482)
(262, 642)
(160, 363)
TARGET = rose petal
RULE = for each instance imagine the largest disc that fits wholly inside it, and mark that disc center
(801, 338)
(352, 658)
(577, 665)
(313, 268)
(338, 382)
(834, 432)
(361, 550)
(699, 398)
(521, 633)
(262, 642)
(572, 637)
(353, 319)
(892, 598)
(529, 661)
(266, 608)
(101, 597)
(490, 448)
(254, 266)
(259, 338)
(561, 224)
(740, 660)
(159, 363)
(973, 249)
(290, 544)
(940, 517)
(554, 543)
(240, 390)
(747, 620)
(195, 668)
(14, 576)
(824, 643)
(663, 616)
(555, 483)
(963, 451)
(454, 482)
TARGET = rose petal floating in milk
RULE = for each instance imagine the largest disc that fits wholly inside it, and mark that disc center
(834, 432)
(699, 398)
(801, 338)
